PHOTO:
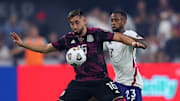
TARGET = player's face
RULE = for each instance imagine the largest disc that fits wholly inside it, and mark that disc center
(77, 24)
(117, 22)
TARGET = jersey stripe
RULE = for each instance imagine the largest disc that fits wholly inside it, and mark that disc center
(134, 81)
(133, 58)
(133, 63)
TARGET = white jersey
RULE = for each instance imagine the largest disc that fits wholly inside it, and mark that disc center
(123, 59)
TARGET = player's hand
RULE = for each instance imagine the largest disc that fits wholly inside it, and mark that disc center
(16, 39)
(138, 45)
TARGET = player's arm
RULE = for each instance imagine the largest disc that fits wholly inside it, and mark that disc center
(127, 40)
(44, 48)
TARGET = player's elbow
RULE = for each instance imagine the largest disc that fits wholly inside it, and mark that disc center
(44, 49)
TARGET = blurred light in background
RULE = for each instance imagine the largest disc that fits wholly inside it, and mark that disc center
(157, 20)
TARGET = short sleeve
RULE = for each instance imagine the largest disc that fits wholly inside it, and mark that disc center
(133, 34)
(60, 44)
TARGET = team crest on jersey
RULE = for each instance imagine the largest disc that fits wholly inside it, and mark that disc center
(90, 38)
(73, 41)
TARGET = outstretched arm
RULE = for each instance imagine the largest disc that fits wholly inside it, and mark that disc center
(129, 41)
(45, 48)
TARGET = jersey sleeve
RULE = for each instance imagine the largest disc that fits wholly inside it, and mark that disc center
(60, 44)
(133, 34)
(105, 36)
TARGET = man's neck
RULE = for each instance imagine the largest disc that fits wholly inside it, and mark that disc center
(122, 30)
(84, 32)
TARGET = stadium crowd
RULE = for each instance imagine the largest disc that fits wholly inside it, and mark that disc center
(160, 28)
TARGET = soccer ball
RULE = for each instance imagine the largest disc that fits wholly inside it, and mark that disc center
(75, 56)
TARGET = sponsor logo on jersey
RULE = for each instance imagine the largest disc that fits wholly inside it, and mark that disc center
(80, 39)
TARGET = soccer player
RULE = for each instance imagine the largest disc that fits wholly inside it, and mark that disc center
(91, 77)
(128, 78)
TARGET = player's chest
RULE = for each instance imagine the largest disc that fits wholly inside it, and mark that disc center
(115, 45)
(87, 43)
(117, 50)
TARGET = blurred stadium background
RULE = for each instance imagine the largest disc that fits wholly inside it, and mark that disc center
(23, 79)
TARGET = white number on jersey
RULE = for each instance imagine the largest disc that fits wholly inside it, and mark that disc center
(112, 86)
(83, 46)
(132, 96)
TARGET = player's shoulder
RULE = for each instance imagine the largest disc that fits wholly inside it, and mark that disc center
(66, 36)
(130, 32)
(133, 34)
(93, 30)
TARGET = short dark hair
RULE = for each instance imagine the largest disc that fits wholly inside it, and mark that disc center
(74, 13)
(122, 13)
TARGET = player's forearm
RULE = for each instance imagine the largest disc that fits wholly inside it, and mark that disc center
(124, 39)
(36, 48)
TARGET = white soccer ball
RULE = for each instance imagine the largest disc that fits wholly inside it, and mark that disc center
(75, 56)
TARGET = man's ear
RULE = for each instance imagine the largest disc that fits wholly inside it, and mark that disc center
(124, 21)
(85, 20)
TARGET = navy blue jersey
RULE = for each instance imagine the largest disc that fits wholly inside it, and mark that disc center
(92, 43)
